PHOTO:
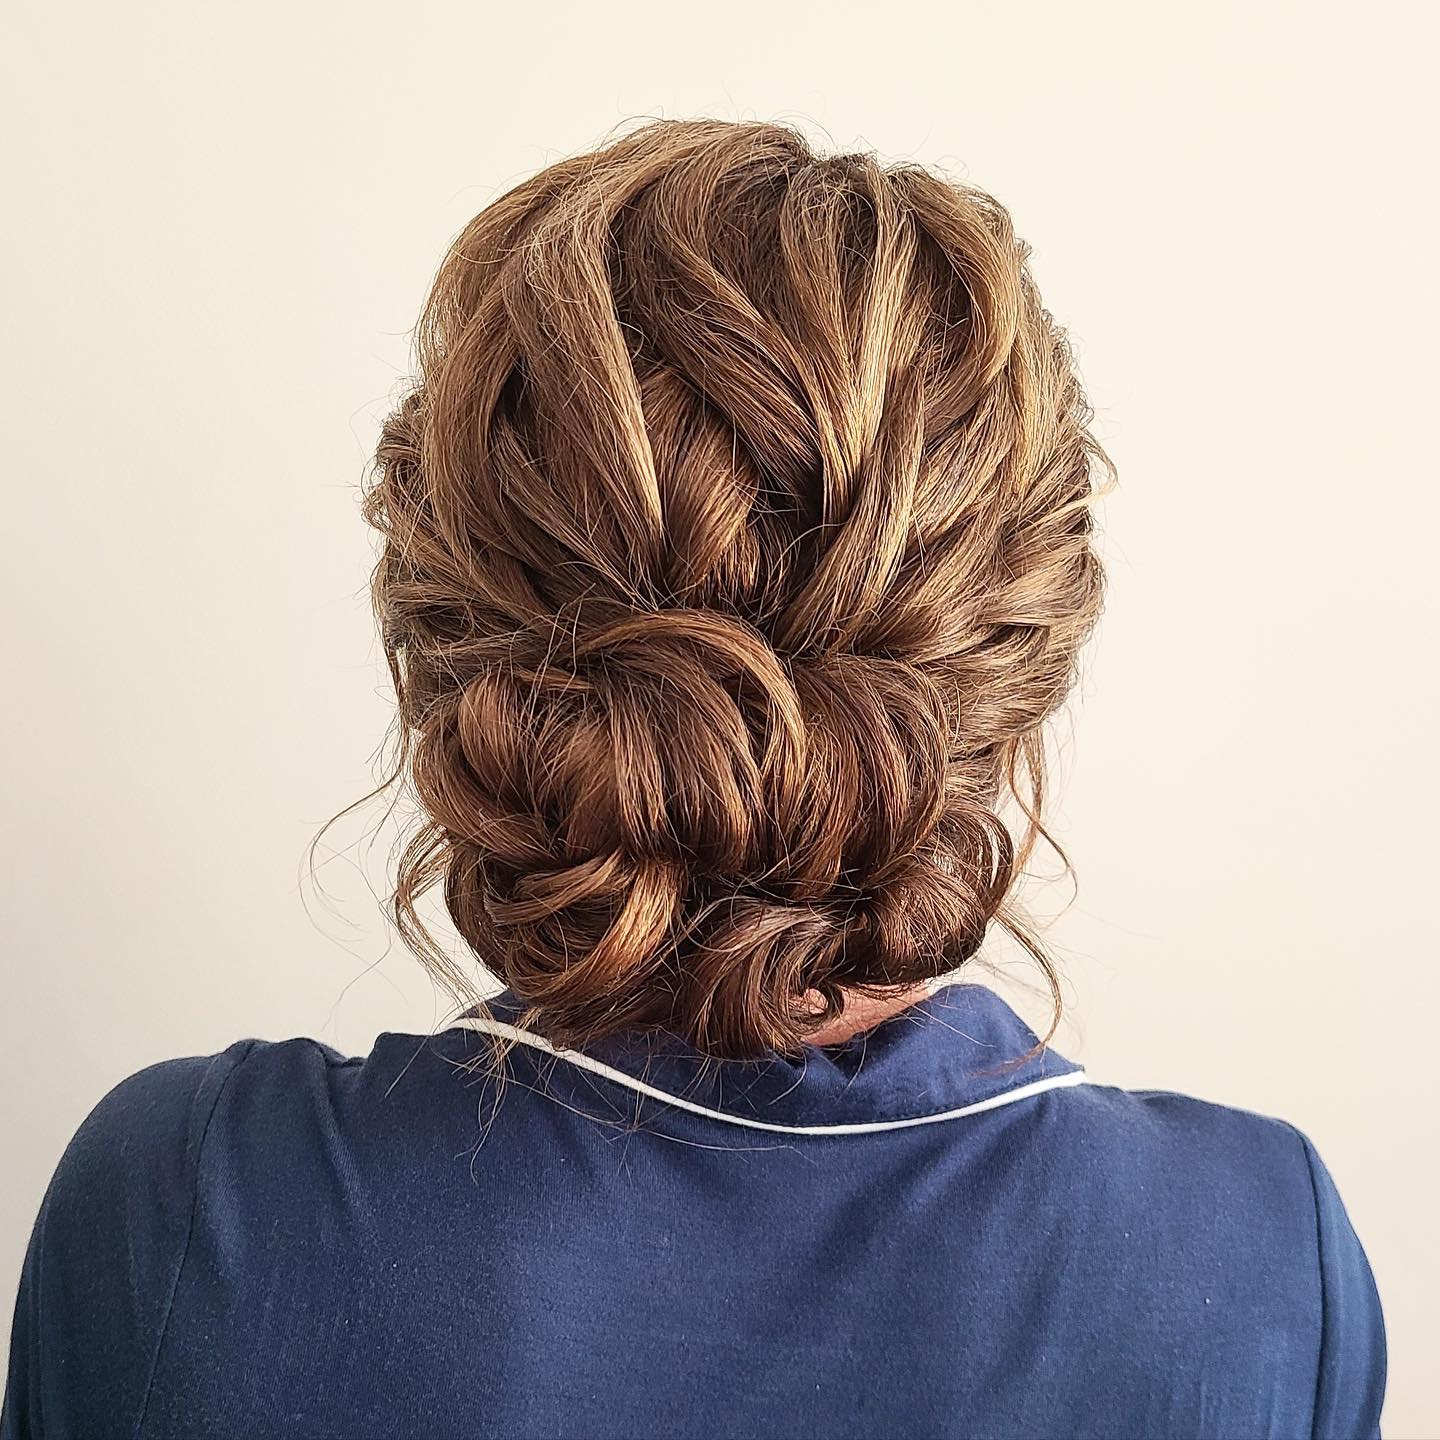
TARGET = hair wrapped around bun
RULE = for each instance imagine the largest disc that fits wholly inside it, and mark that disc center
(736, 547)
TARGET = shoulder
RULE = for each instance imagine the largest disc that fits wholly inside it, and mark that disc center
(1167, 1126)
(147, 1133)
(153, 1140)
(1255, 1172)
(1248, 1194)
(157, 1113)
(111, 1235)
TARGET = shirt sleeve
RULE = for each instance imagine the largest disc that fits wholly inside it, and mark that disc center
(105, 1253)
(1350, 1384)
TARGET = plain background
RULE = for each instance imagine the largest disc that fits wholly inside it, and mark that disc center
(222, 221)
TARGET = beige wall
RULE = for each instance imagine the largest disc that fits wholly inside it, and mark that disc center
(222, 221)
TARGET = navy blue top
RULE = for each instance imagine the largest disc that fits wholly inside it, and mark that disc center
(898, 1236)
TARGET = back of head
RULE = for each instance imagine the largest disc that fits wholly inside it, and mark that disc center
(737, 546)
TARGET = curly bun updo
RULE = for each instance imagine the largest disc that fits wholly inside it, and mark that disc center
(737, 545)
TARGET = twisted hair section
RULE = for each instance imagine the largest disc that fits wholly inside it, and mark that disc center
(736, 546)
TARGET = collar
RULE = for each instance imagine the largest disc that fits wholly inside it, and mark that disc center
(959, 1051)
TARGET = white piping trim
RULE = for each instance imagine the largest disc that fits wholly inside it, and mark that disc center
(609, 1072)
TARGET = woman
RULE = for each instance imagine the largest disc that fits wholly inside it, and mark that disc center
(737, 547)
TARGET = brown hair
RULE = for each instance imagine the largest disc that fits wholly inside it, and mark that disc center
(737, 545)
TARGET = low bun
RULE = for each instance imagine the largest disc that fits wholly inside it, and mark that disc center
(736, 550)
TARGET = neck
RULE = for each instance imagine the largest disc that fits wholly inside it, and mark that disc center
(864, 1012)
